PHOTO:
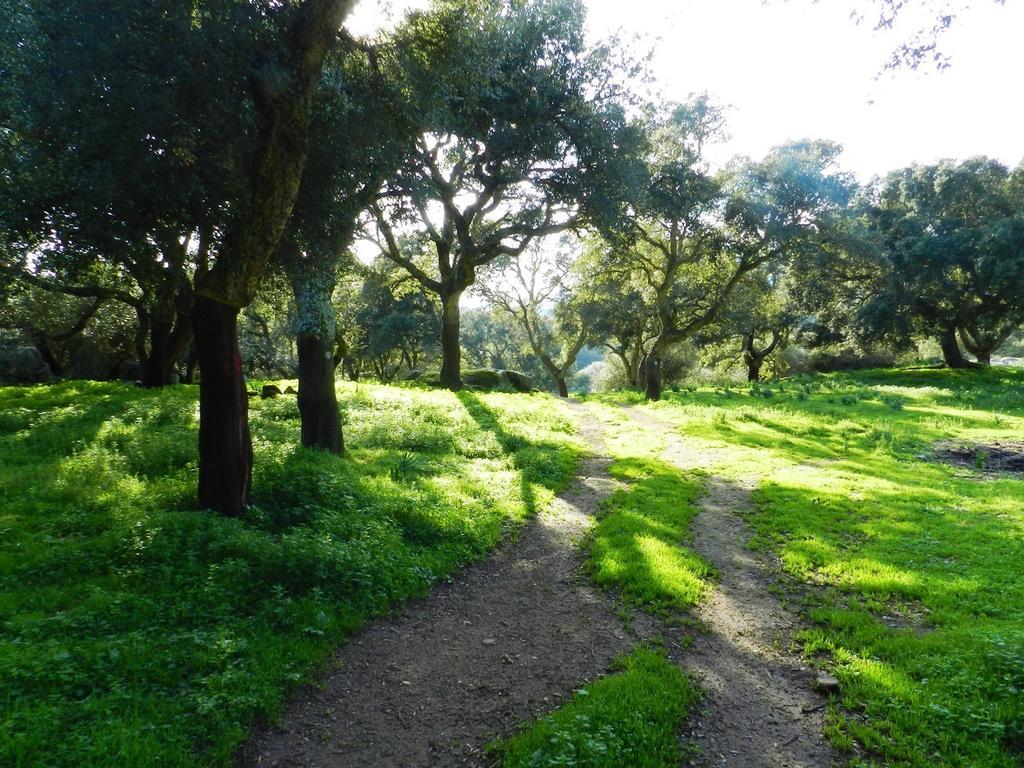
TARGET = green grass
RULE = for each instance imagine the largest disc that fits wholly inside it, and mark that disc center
(630, 718)
(911, 569)
(138, 630)
(637, 546)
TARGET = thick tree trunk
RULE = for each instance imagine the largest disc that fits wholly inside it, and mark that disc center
(451, 351)
(951, 350)
(313, 284)
(225, 445)
(983, 356)
(652, 375)
(753, 368)
(318, 401)
(563, 390)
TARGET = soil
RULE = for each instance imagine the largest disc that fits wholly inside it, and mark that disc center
(503, 643)
(998, 456)
(761, 708)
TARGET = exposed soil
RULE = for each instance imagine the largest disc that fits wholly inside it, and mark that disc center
(998, 456)
(499, 645)
(761, 708)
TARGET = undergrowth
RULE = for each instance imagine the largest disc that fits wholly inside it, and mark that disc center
(140, 631)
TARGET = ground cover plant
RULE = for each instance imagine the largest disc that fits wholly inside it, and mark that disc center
(908, 567)
(630, 718)
(139, 630)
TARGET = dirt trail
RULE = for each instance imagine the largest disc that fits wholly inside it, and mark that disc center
(472, 661)
(761, 709)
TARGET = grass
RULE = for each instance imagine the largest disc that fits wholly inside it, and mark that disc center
(909, 569)
(138, 630)
(631, 717)
(637, 544)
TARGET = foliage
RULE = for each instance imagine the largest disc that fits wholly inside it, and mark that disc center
(140, 631)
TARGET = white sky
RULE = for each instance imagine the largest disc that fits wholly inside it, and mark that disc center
(797, 69)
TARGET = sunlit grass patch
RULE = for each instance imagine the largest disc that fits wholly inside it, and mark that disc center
(638, 546)
(917, 598)
(630, 718)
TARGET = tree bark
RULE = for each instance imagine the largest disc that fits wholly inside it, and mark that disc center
(225, 445)
(652, 375)
(451, 352)
(753, 369)
(951, 350)
(318, 401)
(155, 366)
(313, 283)
(563, 390)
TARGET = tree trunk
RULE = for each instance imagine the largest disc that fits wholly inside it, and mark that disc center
(155, 367)
(225, 445)
(563, 390)
(951, 350)
(318, 401)
(753, 368)
(190, 363)
(652, 375)
(313, 285)
(983, 356)
(451, 376)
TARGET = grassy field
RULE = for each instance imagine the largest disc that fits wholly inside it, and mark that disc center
(910, 570)
(138, 630)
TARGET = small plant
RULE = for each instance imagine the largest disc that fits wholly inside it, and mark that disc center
(848, 400)
(406, 467)
(802, 395)
(980, 459)
(895, 402)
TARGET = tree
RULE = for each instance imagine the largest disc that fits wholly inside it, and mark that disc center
(357, 123)
(949, 249)
(758, 320)
(118, 115)
(282, 85)
(520, 121)
(536, 291)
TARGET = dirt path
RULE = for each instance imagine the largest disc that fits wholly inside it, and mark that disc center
(480, 655)
(761, 709)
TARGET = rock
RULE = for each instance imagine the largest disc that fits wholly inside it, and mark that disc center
(270, 390)
(489, 641)
(173, 378)
(487, 378)
(23, 365)
(825, 683)
(519, 381)
(413, 375)
(290, 390)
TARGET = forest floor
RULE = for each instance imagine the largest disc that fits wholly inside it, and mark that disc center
(501, 644)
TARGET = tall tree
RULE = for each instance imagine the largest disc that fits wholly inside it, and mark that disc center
(282, 85)
(357, 125)
(950, 255)
(520, 121)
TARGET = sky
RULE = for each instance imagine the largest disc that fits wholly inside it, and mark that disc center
(795, 69)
